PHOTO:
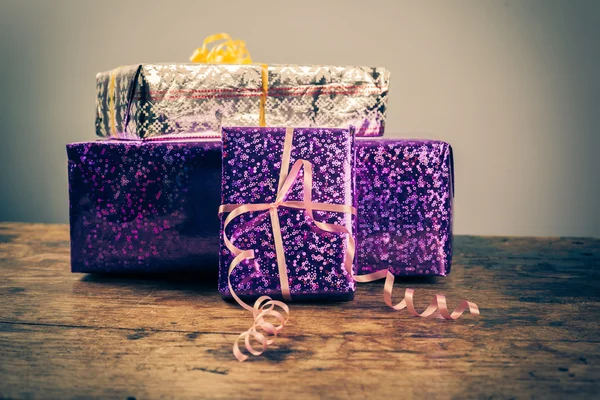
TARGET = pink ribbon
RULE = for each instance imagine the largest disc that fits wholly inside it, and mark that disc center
(438, 303)
(260, 312)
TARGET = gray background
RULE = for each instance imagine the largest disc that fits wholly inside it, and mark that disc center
(514, 86)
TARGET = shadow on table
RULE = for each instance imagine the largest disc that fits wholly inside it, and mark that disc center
(204, 282)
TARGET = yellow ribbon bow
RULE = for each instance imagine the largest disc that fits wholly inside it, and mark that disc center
(228, 52)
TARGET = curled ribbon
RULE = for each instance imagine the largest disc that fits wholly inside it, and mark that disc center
(438, 303)
(227, 52)
(260, 312)
(286, 181)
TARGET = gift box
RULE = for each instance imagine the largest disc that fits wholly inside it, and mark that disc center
(404, 192)
(144, 206)
(149, 100)
(315, 259)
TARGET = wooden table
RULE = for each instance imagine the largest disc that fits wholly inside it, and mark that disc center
(66, 335)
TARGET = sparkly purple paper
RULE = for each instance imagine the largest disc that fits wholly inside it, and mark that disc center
(251, 164)
(404, 191)
(144, 206)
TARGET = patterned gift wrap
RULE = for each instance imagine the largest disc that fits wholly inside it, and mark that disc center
(404, 201)
(148, 100)
(144, 206)
(252, 160)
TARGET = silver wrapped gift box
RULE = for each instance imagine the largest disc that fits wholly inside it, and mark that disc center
(151, 100)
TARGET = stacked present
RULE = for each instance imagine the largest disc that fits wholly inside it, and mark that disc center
(305, 213)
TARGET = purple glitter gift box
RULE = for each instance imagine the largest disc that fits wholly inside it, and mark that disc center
(252, 160)
(404, 191)
(144, 206)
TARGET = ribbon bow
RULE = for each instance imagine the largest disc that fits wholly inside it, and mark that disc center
(286, 181)
(228, 52)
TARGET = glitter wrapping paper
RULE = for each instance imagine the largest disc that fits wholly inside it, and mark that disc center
(148, 100)
(251, 164)
(144, 206)
(404, 191)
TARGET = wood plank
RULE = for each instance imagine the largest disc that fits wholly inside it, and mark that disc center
(68, 335)
(68, 362)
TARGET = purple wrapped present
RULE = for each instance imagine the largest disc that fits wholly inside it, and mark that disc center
(315, 259)
(404, 191)
(144, 206)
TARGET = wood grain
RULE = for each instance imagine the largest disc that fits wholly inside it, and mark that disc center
(66, 335)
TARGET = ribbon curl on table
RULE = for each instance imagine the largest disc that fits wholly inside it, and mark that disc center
(438, 303)
(232, 52)
(286, 181)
